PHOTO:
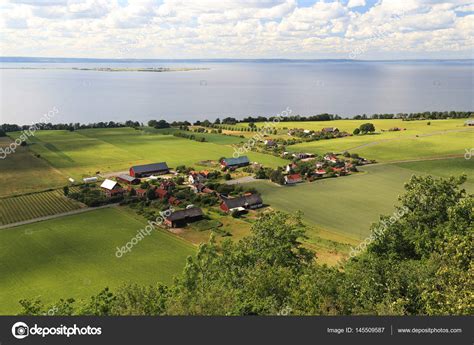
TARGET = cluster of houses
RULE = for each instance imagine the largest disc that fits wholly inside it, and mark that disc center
(196, 181)
(331, 164)
(300, 132)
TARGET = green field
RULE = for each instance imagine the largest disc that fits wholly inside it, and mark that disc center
(348, 205)
(75, 257)
(22, 172)
(35, 205)
(84, 152)
(442, 138)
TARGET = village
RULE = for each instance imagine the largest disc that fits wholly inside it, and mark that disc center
(189, 194)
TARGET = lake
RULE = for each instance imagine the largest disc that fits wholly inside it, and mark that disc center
(236, 88)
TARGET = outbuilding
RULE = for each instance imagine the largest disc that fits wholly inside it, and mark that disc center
(149, 169)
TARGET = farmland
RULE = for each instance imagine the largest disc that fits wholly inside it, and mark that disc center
(349, 205)
(74, 256)
(22, 172)
(84, 152)
(441, 138)
(35, 205)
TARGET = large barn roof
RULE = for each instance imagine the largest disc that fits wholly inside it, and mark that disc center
(236, 161)
(246, 200)
(150, 167)
(183, 214)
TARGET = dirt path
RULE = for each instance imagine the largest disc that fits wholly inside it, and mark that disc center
(54, 216)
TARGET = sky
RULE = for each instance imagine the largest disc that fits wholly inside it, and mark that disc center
(298, 29)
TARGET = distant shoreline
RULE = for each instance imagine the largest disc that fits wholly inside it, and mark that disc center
(109, 69)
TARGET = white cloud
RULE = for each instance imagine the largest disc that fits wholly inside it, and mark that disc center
(356, 3)
(236, 28)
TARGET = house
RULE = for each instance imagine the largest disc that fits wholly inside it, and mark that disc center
(302, 155)
(198, 187)
(290, 167)
(195, 177)
(174, 201)
(111, 188)
(161, 193)
(248, 201)
(270, 143)
(149, 169)
(128, 179)
(331, 158)
(320, 172)
(141, 193)
(182, 217)
(233, 163)
(469, 123)
(330, 130)
(293, 178)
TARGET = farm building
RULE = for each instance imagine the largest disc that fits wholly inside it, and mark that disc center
(128, 179)
(89, 179)
(233, 163)
(251, 201)
(293, 178)
(182, 217)
(270, 143)
(149, 169)
(330, 130)
(302, 155)
(111, 188)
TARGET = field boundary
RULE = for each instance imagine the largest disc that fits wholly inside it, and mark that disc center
(54, 216)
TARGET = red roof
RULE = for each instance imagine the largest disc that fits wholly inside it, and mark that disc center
(320, 171)
(294, 177)
(161, 193)
(174, 201)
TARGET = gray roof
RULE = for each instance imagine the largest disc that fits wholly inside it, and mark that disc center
(150, 167)
(242, 201)
(127, 177)
(236, 161)
(183, 214)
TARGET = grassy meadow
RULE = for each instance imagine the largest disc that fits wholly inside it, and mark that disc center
(349, 205)
(74, 256)
(442, 138)
(84, 152)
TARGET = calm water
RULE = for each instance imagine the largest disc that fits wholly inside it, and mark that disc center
(232, 89)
